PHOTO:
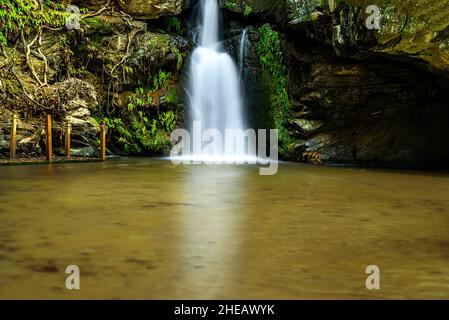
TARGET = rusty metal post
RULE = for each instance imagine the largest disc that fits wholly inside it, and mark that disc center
(13, 144)
(68, 128)
(49, 139)
(102, 141)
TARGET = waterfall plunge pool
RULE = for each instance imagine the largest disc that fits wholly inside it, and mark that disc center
(145, 228)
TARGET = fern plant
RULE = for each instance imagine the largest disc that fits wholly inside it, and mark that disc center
(27, 16)
(146, 128)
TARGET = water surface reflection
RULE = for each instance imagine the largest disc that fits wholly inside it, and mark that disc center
(142, 228)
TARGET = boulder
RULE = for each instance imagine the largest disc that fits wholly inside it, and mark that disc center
(138, 9)
(79, 98)
(76, 98)
(151, 9)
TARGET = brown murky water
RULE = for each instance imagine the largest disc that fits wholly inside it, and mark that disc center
(142, 228)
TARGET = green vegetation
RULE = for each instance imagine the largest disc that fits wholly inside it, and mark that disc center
(275, 82)
(144, 128)
(230, 5)
(98, 27)
(245, 8)
(163, 43)
(304, 10)
(23, 17)
(247, 11)
(173, 25)
(143, 135)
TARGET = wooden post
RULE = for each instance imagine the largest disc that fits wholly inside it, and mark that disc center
(68, 127)
(102, 142)
(13, 144)
(49, 139)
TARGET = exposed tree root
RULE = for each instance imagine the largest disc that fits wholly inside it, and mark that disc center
(27, 47)
(14, 73)
(33, 49)
(91, 15)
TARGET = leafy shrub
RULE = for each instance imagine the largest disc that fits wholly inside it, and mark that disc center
(146, 129)
(25, 17)
(247, 11)
(173, 25)
(230, 5)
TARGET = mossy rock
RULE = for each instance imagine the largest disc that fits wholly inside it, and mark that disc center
(151, 9)
(417, 29)
(249, 6)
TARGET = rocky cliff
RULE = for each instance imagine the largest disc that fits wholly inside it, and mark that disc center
(358, 95)
(373, 97)
(338, 90)
(113, 66)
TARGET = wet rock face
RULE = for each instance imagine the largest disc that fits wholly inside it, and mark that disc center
(369, 97)
(250, 6)
(358, 96)
(256, 100)
(91, 4)
(105, 44)
(151, 9)
(139, 9)
(156, 50)
(417, 29)
(374, 112)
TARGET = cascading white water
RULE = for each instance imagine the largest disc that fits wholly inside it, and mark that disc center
(214, 86)
(242, 50)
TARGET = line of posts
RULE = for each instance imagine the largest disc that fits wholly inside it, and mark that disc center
(49, 141)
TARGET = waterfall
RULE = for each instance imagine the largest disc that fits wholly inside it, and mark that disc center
(242, 51)
(213, 84)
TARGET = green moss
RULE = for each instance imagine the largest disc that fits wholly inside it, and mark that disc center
(230, 5)
(98, 26)
(12, 87)
(246, 7)
(24, 16)
(407, 27)
(247, 11)
(172, 96)
(161, 44)
(303, 10)
(274, 81)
